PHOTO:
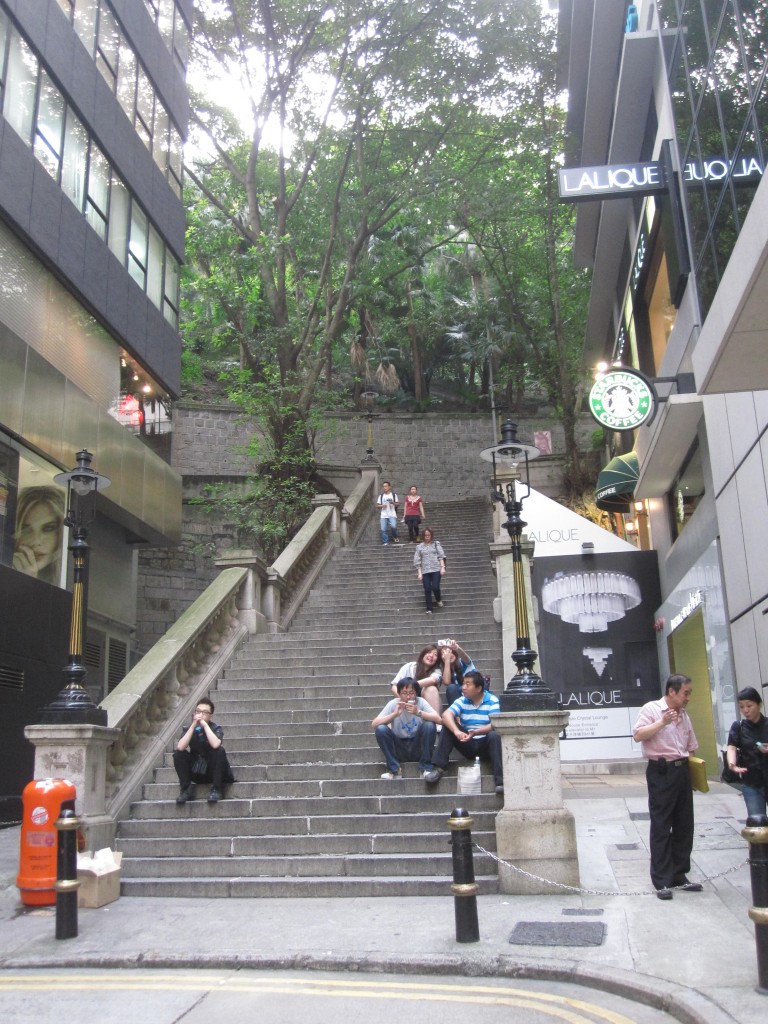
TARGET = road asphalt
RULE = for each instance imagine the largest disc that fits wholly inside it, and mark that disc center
(693, 956)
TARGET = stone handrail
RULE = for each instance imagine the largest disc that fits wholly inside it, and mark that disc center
(357, 508)
(148, 709)
(152, 702)
(291, 575)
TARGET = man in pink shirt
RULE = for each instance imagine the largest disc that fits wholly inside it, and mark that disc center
(667, 737)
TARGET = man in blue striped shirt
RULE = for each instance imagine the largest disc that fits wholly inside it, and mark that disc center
(467, 727)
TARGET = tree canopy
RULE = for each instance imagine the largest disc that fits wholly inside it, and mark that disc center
(382, 210)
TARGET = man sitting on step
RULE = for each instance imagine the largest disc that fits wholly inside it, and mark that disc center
(200, 757)
(406, 728)
(467, 726)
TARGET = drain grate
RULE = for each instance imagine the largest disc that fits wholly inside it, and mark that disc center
(557, 933)
(639, 816)
(627, 846)
(582, 912)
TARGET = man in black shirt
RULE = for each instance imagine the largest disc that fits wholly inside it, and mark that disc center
(200, 757)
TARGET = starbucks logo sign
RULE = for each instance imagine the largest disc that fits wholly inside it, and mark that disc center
(622, 400)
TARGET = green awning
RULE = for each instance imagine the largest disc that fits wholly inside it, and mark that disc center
(616, 483)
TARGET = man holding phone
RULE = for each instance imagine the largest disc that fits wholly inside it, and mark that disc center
(406, 728)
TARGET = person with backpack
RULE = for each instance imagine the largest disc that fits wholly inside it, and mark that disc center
(388, 504)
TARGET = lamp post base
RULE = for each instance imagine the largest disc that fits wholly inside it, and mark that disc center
(73, 706)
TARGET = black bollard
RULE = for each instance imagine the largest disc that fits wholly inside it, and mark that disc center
(756, 834)
(66, 875)
(464, 887)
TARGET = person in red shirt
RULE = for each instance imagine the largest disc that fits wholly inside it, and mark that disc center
(413, 513)
(666, 734)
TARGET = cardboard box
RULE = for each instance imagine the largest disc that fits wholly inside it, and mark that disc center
(99, 878)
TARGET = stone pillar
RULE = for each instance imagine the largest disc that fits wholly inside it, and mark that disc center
(534, 831)
(78, 753)
(335, 503)
(249, 598)
(271, 595)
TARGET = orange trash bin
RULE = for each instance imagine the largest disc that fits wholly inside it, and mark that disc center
(42, 800)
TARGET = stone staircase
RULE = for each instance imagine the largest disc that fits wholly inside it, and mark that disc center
(309, 814)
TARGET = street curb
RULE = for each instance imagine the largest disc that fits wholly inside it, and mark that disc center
(683, 1004)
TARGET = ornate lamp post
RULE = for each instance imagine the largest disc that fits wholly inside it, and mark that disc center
(73, 705)
(526, 690)
(369, 397)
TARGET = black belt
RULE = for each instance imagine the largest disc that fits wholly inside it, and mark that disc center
(672, 764)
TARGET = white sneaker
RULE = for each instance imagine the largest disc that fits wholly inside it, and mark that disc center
(392, 775)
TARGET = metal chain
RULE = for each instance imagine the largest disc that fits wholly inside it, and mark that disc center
(595, 892)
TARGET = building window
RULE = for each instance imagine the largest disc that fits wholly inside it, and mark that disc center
(97, 204)
(137, 245)
(687, 491)
(49, 126)
(107, 47)
(75, 160)
(20, 87)
(171, 291)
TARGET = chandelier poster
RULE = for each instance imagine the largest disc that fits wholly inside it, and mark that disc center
(597, 645)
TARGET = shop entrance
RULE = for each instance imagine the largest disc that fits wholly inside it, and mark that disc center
(688, 654)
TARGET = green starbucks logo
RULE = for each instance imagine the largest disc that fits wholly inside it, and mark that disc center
(621, 400)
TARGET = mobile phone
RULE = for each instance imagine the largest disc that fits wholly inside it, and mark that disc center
(445, 643)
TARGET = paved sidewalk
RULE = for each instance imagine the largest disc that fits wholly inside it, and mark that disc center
(694, 956)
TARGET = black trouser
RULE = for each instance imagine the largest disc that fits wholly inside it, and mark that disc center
(218, 770)
(487, 746)
(431, 583)
(670, 803)
(412, 522)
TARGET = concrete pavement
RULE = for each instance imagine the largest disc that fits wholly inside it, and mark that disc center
(693, 956)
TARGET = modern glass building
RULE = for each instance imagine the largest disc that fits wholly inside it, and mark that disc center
(93, 114)
(680, 292)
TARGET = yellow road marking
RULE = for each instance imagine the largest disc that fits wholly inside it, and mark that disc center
(562, 1007)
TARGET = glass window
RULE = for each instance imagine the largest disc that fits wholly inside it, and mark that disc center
(126, 80)
(137, 245)
(155, 269)
(160, 138)
(144, 103)
(68, 6)
(75, 160)
(119, 207)
(171, 290)
(49, 128)
(165, 21)
(180, 41)
(97, 207)
(687, 491)
(85, 23)
(108, 47)
(20, 87)
(754, 36)
(175, 160)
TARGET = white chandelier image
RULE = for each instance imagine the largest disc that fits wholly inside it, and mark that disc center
(590, 600)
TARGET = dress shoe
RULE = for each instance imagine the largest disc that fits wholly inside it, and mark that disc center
(664, 894)
(214, 796)
(186, 794)
(499, 791)
(435, 775)
(692, 887)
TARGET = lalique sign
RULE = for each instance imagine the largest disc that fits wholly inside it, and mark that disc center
(583, 183)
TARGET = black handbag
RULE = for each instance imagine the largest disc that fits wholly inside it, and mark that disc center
(199, 765)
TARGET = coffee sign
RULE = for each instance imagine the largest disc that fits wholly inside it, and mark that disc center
(622, 400)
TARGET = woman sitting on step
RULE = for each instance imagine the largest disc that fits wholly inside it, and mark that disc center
(427, 672)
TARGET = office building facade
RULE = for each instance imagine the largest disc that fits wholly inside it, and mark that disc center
(93, 112)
